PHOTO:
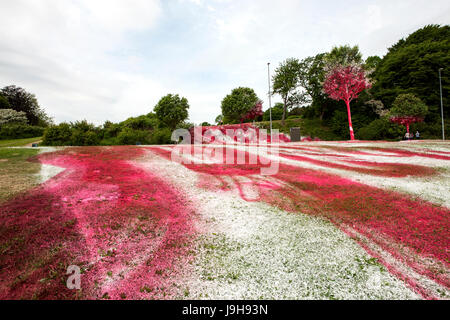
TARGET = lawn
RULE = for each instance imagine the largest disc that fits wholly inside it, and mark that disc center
(17, 174)
(18, 142)
(334, 221)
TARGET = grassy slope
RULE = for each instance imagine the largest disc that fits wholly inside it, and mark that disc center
(16, 173)
(308, 127)
(18, 142)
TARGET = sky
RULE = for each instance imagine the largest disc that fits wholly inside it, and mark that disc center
(112, 59)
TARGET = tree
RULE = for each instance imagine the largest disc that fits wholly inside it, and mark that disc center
(21, 100)
(254, 112)
(9, 116)
(345, 83)
(4, 104)
(411, 66)
(312, 70)
(343, 55)
(408, 109)
(372, 63)
(277, 112)
(238, 104)
(286, 83)
(172, 110)
(219, 119)
(205, 124)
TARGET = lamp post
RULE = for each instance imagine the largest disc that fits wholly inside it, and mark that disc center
(270, 99)
(442, 104)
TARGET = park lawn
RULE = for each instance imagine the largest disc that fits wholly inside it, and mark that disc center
(17, 174)
(18, 142)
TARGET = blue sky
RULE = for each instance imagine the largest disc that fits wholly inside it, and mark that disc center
(108, 60)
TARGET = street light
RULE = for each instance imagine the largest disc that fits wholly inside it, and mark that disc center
(442, 104)
(270, 99)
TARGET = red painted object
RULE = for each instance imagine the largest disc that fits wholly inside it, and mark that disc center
(126, 228)
(245, 128)
(406, 121)
(345, 83)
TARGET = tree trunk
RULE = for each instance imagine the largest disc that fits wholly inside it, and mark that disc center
(322, 114)
(352, 135)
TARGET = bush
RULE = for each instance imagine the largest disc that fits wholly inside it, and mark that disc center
(59, 135)
(277, 113)
(20, 131)
(79, 133)
(130, 137)
(144, 122)
(162, 136)
(380, 129)
(84, 138)
(10, 116)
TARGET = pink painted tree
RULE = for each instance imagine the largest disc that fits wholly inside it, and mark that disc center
(254, 112)
(406, 121)
(346, 83)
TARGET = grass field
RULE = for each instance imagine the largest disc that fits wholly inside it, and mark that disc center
(17, 174)
(18, 142)
(334, 221)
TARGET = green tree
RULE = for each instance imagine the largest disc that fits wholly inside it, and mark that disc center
(21, 100)
(277, 112)
(408, 109)
(372, 63)
(344, 55)
(408, 105)
(4, 104)
(238, 103)
(411, 66)
(312, 76)
(219, 119)
(287, 83)
(172, 110)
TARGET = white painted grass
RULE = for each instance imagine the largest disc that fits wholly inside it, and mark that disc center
(47, 171)
(435, 189)
(250, 250)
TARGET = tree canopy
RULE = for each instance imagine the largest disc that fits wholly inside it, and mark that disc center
(238, 103)
(287, 83)
(22, 101)
(4, 104)
(408, 105)
(172, 110)
(411, 66)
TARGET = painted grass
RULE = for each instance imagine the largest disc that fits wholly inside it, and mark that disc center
(17, 174)
(124, 227)
(143, 227)
(18, 142)
(411, 230)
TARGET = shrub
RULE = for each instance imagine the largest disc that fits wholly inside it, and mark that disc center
(10, 116)
(130, 137)
(380, 129)
(84, 138)
(277, 113)
(162, 136)
(59, 135)
(20, 131)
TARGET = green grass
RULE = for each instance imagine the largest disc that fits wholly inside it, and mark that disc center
(18, 142)
(16, 173)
